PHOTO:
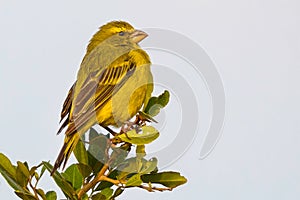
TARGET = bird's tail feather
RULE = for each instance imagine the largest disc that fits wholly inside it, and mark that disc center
(65, 152)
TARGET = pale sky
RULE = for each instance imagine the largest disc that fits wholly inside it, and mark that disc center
(254, 45)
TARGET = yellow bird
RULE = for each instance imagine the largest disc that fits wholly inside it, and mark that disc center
(113, 83)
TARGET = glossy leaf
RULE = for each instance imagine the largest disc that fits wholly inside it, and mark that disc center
(96, 150)
(99, 196)
(107, 192)
(118, 192)
(168, 179)
(128, 167)
(156, 103)
(25, 195)
(51, 195)
(98, 145)
(106, 184)
(22, 174)
(136, 165)
(42, 171)
(6, 165)
(146, 116)
(41, 193)
(33, 169)
(80, 153)
(73, 175)
(61, 182)
(12, 182)
(148, 166)
(119, 154)
(85, 197)
(147, 135)
(85, 170)
(135, 180)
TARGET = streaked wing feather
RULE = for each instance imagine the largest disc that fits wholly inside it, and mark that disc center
(67, 103)
(66, 109)
(95, 92)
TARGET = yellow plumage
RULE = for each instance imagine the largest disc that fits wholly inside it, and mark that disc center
(113, 83)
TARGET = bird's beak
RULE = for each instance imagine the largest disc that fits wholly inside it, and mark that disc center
(138, 36)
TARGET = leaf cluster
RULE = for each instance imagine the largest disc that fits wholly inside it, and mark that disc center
(104, 168)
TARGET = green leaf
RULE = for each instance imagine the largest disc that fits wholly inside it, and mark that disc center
(8, 171)
(42, 171)
(133, 181)
(81, 153)
(98, 145)
(128, 167)
(99, 196)
(32, 171)
(97, 166)
(136, 165)
(148, 166)
(156, 103)
(12, 182)
(73, 175)
(85, 170)
(25, 195)
(85, 197)
(168, 179)
(118, 192)
(61, 182)
(93, 134)
(148, 135)
(106, 184)
(119, 154)
(96, 150)
(51, 195)
(26, 165)
(146, 116)
(6, 165)
(107, 192)
(22, 174)
(41, 193)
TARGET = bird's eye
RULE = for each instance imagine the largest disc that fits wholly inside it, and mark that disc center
(121, 33)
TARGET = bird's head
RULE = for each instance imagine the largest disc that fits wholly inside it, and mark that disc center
(118, 33)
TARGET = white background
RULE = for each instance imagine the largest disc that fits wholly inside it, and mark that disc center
(254, 44)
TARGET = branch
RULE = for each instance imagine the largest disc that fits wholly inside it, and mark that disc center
(152, 189)
(91, 184)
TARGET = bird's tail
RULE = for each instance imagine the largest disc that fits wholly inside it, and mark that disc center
(65, 152)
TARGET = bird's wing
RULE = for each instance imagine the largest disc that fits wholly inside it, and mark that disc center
(66, 109)
(95, 91)
(67, 103)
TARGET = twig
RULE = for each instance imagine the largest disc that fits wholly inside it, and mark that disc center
(113, 181)
(33, 188)
(152, 189)
(101, 175)
(91, 184)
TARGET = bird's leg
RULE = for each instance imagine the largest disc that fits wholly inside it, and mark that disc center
(143, 118)
(137, 119)
(125, 128)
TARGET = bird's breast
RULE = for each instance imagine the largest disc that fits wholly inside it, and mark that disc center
(128, 100)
